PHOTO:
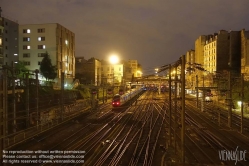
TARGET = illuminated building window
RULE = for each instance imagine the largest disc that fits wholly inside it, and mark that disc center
(41, 38)
(41, 47)
(25, 47)
(26, 31)
(66, 42)
(26, 39)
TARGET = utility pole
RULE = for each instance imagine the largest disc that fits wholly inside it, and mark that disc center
(13, 97)
(229, 100)
(203, 95)
(103, 95)
(37, 97)
(242, 102)
(197, 92)
(169, 105)
(203, 85)
(62, 95)
(183, 107)
(27, 99)
(5, 102)
(175, 110)
(3, 118)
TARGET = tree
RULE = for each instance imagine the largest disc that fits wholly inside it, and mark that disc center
(47, 69)
(21, 69)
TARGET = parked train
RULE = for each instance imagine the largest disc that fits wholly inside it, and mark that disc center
(119, 100)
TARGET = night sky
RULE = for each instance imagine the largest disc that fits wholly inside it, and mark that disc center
(155, 32)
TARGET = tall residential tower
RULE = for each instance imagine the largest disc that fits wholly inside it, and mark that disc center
(59, 42)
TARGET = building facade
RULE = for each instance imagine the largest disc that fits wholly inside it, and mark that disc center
(244, 51)
(88, 71)
(199, 49)
(222, 52)
(8, 41)
(134, 67)
(190, 77)
(35, 40)
(112, 74)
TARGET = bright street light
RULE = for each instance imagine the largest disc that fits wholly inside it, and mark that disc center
(113, 59)
(156, 70)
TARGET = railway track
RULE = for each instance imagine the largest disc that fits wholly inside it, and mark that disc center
(204, 139)
(136, 135)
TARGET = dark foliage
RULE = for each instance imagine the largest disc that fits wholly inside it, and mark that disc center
(47, 69)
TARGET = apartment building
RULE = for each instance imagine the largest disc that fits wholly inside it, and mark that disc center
(222, 52)
(199, 49)
(134, 67)
(59, 42)
(88, 71)
(190, 60)
(190, 57)
(245, 52)
(8, 41)
(112, 73)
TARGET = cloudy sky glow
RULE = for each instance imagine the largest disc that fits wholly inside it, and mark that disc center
(155, 32)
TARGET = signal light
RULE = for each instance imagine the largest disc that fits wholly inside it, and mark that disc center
(93, 91)
(109, 91)
(121, 91)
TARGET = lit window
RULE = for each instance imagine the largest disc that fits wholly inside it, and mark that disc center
(66, 42)
(26, 39)
(0, 41)
(41, 38)
(41, 46)
(15, 54)
(26, 31)
(25, 47)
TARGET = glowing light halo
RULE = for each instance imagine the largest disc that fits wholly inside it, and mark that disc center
(113, 59)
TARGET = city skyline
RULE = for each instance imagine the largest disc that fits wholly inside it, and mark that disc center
(155, 33)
